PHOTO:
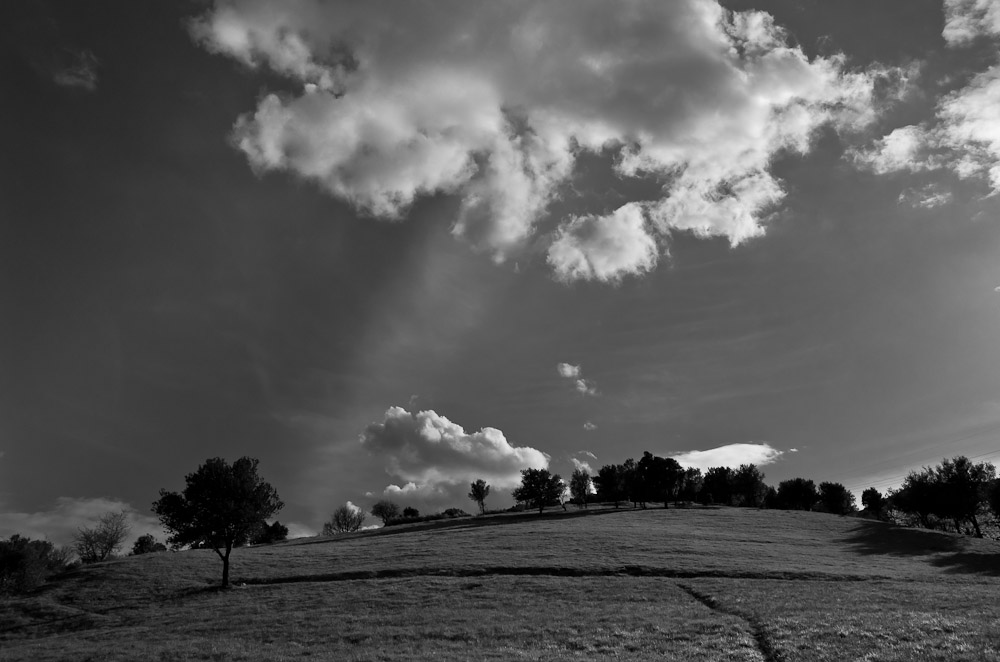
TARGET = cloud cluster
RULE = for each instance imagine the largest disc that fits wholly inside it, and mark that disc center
(494, 102)
(436, 459)
(964, 135)
(588, 426)
(730, 455)
(575, 374)
(60, 523)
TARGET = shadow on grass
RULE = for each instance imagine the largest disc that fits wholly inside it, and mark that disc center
(951, 552)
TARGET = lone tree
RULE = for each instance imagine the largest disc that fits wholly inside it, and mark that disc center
(147, 544)
(873, 501)
(386, 511)
(538, 487)
(222, 506)
(346, 519)
(579, 486)
(480, 490)
(101, 542)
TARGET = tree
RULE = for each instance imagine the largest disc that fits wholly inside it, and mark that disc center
(836, 498)
(26, 563)
(385, 510)
(147, 544)
(748, 486)
(221, 506)
(411, 512)
(873, 501)
(691, 482)
(268, 534)
(917, 496)
(346, 519)
(797, 494)
(104, 540)
(579, 486)
(539, 488)
(480, 490)
(609, 483)
(962, 490)
(717, 486)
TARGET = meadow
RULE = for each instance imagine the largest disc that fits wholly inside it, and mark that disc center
(677, 584)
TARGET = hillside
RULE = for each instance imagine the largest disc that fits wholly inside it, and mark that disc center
(698, 584)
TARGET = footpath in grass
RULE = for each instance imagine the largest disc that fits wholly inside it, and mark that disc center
(688, 584)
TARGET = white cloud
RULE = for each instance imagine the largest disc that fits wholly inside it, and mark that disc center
(493, 103)
(568, 371)
(80, 72)
(60, 523)
(928, 196)
(437, 459)
(603, 248)
(588, 426)
(730, 455)
(902, 149)
(793, 450)
(582, 465)
(585, 387)
(964, 20)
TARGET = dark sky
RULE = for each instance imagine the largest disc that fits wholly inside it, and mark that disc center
(171, 295)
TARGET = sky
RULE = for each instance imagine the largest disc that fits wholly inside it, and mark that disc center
(389, 248)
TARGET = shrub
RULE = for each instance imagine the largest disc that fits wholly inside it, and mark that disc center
(26, 563)
(410, 512)
(386, 511)
(147, 544)
(346, 519)
(101, 542)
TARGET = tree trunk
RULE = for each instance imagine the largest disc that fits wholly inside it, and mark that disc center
(975, 524)
(225, 566)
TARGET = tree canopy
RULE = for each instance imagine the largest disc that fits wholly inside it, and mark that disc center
(538, 488)
(222, 506)
(478, 492)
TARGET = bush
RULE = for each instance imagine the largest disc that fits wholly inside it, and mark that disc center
(346, 519)
(410, 512)
(147, 544)
(386, 511)
(26, 563)
(452, 513)
(103, 541)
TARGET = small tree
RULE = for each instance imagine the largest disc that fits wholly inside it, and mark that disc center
(26, 563)
(873, 501)
(385, 510)
(579, 486)
(346, 519)
(271, 533)
(411, 512)
(222, 506)
(538, 487)
(147, 544)
(100, 542)
(480, 490)
(836, 498)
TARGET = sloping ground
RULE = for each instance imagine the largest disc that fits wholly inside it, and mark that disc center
(698, 584)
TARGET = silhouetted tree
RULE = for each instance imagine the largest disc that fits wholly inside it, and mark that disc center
(478, 493)
(748, 486)
(994, 498)
(147, 544)
(345, 519)
(609, 483)
(836, 498)
(221, 505)
(797, 494)
(962, 490)
(660, 478)
(917, 496)
(104, 540)
(579, 486)
(539, 488)
(873, 501)
(632, 485)
(691, 483)
(410, 512)
(718, 483)
(268, 534)
(26, 563)
(385, 510)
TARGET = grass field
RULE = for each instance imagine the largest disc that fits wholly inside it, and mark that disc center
(689, 584)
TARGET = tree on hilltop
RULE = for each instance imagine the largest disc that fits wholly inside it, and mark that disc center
(873, 501)
(478, 493)
(147, 544)
(103, 540)
(386, 511)
(345, 519)
(221, 507)
(836, 498)
(539, 488)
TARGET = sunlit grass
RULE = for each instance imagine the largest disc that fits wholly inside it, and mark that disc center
(693, 584)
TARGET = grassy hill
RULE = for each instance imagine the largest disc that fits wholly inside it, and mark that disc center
(694, 584)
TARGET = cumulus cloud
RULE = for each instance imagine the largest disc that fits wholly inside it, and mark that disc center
(436, 459)
(494, 103)
(588, 426)
(60, 523)
(965, 20)
(575, 374)
(582, 465)
(603, 248)
(964, 134)
(730, 455)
